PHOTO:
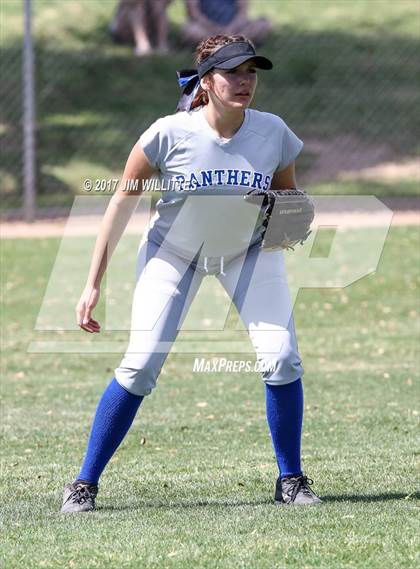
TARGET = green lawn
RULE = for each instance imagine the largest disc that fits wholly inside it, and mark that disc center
(199, 492)
(342, 69)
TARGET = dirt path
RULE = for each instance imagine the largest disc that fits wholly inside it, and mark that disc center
(89, 224)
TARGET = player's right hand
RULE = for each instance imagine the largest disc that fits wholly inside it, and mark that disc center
(86, 304)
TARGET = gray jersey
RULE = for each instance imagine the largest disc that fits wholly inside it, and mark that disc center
(196, 166)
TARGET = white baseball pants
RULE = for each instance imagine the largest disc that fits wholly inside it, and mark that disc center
(255, 280)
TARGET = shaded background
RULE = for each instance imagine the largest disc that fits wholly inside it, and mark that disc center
(346, 80)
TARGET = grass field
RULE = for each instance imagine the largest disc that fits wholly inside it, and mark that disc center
(198, 493)
(344, 70)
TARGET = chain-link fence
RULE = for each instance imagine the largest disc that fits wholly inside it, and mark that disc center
(351, 94)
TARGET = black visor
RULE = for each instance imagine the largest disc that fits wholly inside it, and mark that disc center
(232, 55)
(227, 57)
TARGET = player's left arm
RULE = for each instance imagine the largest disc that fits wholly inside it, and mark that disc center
(284, 179)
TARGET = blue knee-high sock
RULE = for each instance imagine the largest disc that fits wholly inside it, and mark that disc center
(114, 415)
(284, 406)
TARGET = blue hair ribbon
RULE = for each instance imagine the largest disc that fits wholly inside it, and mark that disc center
(189, 81)
(184, 79)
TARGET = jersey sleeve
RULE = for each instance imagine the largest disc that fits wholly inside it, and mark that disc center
(291, 146)
(153, 144)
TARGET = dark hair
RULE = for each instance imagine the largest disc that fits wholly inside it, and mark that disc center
(206, 48)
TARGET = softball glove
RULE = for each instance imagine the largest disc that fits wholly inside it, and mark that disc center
(286, 216)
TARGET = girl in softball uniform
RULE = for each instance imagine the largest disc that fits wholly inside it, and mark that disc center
(207, 155)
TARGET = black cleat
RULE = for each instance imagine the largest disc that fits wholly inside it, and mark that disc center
(79, 497)
(294, 490)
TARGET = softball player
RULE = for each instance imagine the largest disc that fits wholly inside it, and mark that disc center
(216, 149)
